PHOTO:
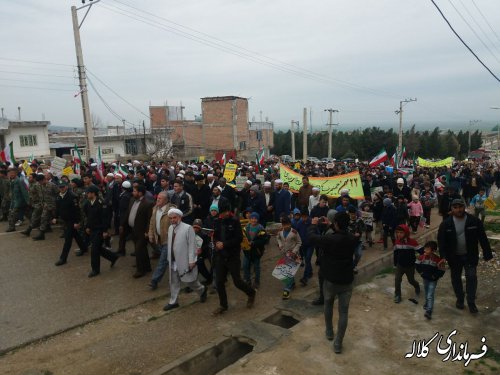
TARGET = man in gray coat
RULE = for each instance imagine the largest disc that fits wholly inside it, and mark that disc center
(182, 259)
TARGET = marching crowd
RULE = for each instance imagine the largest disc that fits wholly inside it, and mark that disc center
(189, 217)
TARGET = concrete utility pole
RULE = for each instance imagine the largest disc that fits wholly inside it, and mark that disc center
(304, 147)
(87, 121)
(293, 138)
(400, 112)
(330, 124)
(471, 122)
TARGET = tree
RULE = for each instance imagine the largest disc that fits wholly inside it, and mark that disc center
(161, 145)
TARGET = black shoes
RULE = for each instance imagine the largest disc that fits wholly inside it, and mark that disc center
(473, 308)
(26, 232)
(318, 302)
(170, 306)
(203, 296)
(80, 252)
(303, 281)
(93, 273)
(428, 315)
(459, 304)
(39, 237)
(114, 261)
(251, 300)
(219, 311)
(10, 230)
(60, 262)
(329, 335)
(153, 286)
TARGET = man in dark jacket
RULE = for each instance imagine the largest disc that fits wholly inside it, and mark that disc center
(227, 239)
(256, 203)
(448, 197)
(68, 210)
(123, 204)
(95, 226)
(458, 239)
(201, 198)
(336, 269)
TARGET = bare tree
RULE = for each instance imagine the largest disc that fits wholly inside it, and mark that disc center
(160, 146)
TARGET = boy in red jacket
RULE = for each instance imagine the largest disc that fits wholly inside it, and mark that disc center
(404, 260)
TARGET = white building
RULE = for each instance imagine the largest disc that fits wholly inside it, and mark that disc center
(28, 137)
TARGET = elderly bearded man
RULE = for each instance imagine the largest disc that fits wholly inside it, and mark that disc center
(182, 259)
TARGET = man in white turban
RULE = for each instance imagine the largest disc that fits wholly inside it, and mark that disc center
(182, 259)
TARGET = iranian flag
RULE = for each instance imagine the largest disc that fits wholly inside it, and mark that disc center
(100, 164)
(223, 160)
(122, 170)
(260, 157)
(7, 154)
(77, 160)
(257, 165)
(379, 158)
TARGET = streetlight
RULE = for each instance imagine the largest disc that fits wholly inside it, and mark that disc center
(498, 132)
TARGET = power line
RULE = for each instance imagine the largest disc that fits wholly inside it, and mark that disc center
(243, 53)
(465, 44)
(474, 31)
(36, 88)
(35, 74)
(2, 65)
(30, 81)
(486, 20)
(35, 62)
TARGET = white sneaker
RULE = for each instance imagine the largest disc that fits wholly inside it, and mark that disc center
(18, 223)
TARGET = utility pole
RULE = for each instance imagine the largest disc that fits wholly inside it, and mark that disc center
(87, 121)
(400, 112)
(471, 122)
(304, 140)
(330, 124)
(293, 138)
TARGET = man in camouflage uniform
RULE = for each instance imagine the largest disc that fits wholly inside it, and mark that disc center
(36, 201)
(51, 191)
(4, 195)
(19, 197)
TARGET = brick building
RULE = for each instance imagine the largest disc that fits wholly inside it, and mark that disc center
(223, 127)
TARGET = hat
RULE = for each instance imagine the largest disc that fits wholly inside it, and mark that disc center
(93, 165)
(210, 175)
(316, 188)
(126, 185)
(278, 181)
(296, 211)
(214, 207)
(118, 175)
(387, 202)
(110, 175)
(254, 215)
(93, 189)
(197, 223)
(62, 183)
(254, 188)
(248, 182)
(400, 181)
(180, 175)
(344, 191)
(458, 202)
(267, 183)
(174, 211)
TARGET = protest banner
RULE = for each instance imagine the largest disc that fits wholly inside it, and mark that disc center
(57, 165)
(67, 171)
(230, 172)
(330, 186)
(285, 269)
(448, 162)
(490, 204)
(240, 182)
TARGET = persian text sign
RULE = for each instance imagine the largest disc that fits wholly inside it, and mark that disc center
(448, 162)
(330, 186)
(230, 172)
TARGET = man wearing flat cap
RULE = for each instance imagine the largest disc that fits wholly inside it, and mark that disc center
(458, 237)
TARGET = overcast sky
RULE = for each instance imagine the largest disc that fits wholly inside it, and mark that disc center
(360, 57)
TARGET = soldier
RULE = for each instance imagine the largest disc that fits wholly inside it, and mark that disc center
(68, 209)
(48, 207)
(4, 195)
(19, 197)
(36, 199)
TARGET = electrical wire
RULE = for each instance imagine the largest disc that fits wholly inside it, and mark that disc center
(35, 74)
(474, 31)
(46, 82)
(36, 88)
(35, 62)
(241, 52)
(486, 20)
(463, 42)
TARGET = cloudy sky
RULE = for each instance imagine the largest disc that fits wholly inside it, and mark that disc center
(360, 57)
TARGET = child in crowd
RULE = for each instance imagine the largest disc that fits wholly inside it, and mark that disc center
(401, 210)
(427, 199)
(389, 221)
(257, 238)
(367, 217)
(289, 243)
(478, 203)
(404, 260)
(431, 268)
(416, 211)
(306, 250)
(356, 227)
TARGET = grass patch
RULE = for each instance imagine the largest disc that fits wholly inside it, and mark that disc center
(493, 213)
(386, 271)
(469, 372)
(493, 355)
(494, 227)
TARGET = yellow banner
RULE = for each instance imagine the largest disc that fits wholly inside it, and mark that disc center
(330, 186)
(432, 164)
(67, 171)
(27, 168)
(490, 204)
(230, 172)
(201, 158)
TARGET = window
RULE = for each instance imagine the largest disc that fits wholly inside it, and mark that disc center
(243, 145)
(107, 151)
(28, 140)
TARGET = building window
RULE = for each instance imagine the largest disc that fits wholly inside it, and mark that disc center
(243, 145)
(28, 140)
(107, 151)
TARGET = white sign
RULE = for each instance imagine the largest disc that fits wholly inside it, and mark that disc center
(57, 165)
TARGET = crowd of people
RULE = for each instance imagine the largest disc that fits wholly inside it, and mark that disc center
(195, 222)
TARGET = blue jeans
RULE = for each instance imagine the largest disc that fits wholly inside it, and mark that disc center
(248, 262)
(429, 289)
(357, 254)
(307, 254)
(162, 265)
(343, 293)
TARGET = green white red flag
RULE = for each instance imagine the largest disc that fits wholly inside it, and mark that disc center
(379, 158)
(77, 160)
(7, 154)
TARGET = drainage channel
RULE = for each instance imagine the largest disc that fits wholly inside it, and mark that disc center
(216, 356)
